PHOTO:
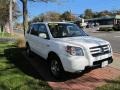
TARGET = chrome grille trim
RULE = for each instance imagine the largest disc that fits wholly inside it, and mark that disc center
(99, 50)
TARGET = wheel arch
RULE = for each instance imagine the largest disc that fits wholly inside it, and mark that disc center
(52, 53)
(27, 44)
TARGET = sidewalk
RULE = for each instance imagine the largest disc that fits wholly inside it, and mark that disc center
(88, 81)
(116, 63)
(92, 79)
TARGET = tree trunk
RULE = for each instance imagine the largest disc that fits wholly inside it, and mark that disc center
(7, 27)
(10, 17)
(25, 15)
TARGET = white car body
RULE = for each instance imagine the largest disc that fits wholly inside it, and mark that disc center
(69, 62)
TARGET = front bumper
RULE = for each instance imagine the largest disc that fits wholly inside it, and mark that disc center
(78, 64)
(98, 63)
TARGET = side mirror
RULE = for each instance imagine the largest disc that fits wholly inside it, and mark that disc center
(43, 35)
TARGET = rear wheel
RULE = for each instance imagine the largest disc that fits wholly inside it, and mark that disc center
(56, 67)
(28, 51)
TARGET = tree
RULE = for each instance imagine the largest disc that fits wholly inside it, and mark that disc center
(116, 12)
(105, 13)
(25, 11)
(7, 7)
(81, 16)
(88, 13)
(52, 16)
(68, 16)
(48, 16)
(25, 15)
(4, 13)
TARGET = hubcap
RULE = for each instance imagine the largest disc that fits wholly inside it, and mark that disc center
(55, 67)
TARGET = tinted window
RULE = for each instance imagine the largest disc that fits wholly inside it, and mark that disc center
(65, 30)
(42, 31)
(34, 29)
(42, 28)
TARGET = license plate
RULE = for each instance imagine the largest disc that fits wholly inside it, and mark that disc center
(104, 63)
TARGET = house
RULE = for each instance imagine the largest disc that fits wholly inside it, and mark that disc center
(106, 21)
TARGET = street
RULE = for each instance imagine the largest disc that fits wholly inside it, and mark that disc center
(112, 37)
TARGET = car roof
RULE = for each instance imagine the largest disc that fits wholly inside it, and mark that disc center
(52, 22)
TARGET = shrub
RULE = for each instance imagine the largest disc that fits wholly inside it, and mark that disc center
(20, 42)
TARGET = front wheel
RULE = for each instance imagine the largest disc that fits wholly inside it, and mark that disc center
(56, 67)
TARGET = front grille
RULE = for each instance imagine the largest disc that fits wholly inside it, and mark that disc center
(100, 50)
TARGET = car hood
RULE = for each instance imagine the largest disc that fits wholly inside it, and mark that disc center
(88, 41)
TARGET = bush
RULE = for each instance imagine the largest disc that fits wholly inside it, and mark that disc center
(107, 29)
(20, 42)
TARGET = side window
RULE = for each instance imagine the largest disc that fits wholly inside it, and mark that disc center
(34, 30)
(42, 31)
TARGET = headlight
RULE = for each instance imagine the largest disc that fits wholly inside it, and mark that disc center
(75, 51)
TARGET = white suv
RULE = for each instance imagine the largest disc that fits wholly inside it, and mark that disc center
(66, 47)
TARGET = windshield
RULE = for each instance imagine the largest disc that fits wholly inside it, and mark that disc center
(65, 30)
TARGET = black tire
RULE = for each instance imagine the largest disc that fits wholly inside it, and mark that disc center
(28, 51)
(56, 68)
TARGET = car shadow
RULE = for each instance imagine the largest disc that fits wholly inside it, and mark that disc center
(35, 66)
(15, 57)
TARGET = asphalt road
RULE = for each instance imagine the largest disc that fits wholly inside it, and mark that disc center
(19, 31)
(112, 37)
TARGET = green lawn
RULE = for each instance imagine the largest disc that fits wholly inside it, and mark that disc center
(6, 35)
(16, 73)
(112, 85)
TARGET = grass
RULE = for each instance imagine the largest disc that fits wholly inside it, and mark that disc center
(16, 73)
(111, 85)
(5, 35)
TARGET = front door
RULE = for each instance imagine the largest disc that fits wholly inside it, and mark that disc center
(43, 41)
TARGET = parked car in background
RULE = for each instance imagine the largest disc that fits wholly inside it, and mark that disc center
(116, 27)
(66, 47)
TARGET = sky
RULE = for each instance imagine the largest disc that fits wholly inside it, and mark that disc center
(76, 6)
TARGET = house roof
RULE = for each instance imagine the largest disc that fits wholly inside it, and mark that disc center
(105, 18)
